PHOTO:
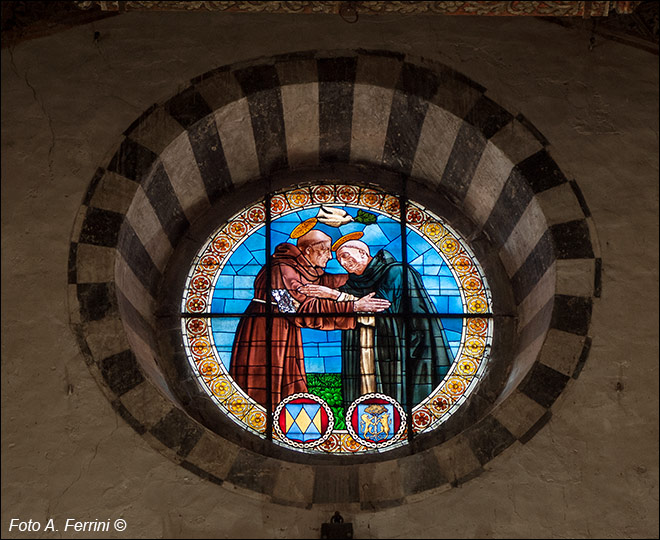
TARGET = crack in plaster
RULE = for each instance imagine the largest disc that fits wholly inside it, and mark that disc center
(108, 64)
(43, 109)
(82, 471)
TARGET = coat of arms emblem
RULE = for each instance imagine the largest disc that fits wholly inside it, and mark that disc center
(376, 420)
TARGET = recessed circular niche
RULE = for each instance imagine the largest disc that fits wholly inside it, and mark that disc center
(198, 177)
(432, 343)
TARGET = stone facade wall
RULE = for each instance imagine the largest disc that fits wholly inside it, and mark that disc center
(561, 109)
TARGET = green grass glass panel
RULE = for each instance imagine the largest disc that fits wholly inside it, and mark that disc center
(327, 386)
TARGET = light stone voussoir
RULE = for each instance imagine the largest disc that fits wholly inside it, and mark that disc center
(518, 413)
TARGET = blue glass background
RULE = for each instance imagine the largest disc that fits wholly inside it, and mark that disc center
(234, 287)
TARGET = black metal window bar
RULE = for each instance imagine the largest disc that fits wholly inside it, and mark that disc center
(404, 314)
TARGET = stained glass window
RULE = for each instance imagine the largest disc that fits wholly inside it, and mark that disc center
(337, 319)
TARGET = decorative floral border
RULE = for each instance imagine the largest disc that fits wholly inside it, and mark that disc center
(507, 9)
(464, 373)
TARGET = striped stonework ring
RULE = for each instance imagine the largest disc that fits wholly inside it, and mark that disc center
(381, 119)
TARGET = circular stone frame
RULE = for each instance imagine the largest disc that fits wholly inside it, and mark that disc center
(350, 116)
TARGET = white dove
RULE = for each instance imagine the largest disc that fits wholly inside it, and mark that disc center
(334, 217)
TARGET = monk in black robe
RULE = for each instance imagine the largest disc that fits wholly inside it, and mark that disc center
(429, 356)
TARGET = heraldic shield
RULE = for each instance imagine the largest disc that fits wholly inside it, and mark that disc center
(303, 420)
(376, 420)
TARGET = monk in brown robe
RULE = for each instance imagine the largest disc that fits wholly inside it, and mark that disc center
(292, 268)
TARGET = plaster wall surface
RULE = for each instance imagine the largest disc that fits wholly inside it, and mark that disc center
(591, 472)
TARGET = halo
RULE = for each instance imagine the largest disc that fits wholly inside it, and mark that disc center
(350, 236)
(303, 228)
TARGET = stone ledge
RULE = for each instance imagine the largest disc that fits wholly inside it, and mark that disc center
(128, 417)
(538, 425)
(417, 497)
(73, 304)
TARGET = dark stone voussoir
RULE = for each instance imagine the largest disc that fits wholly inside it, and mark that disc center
(336, 86)
(572, 240)
(509, 208)
(463, 160)
(134, 320)
(488, 439)
(534, 267)
(404, 128)
(72, 268)
(165, 203)
(541, 171)
(121, 372)
(210, 158)
(101, 227)
(177, 431)
(261, 86)
(418, 81)
(97, 301)
(488, 116)
(132, 160)
(188, 107)
(138, 259)
(543, 384)
(572, 314)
